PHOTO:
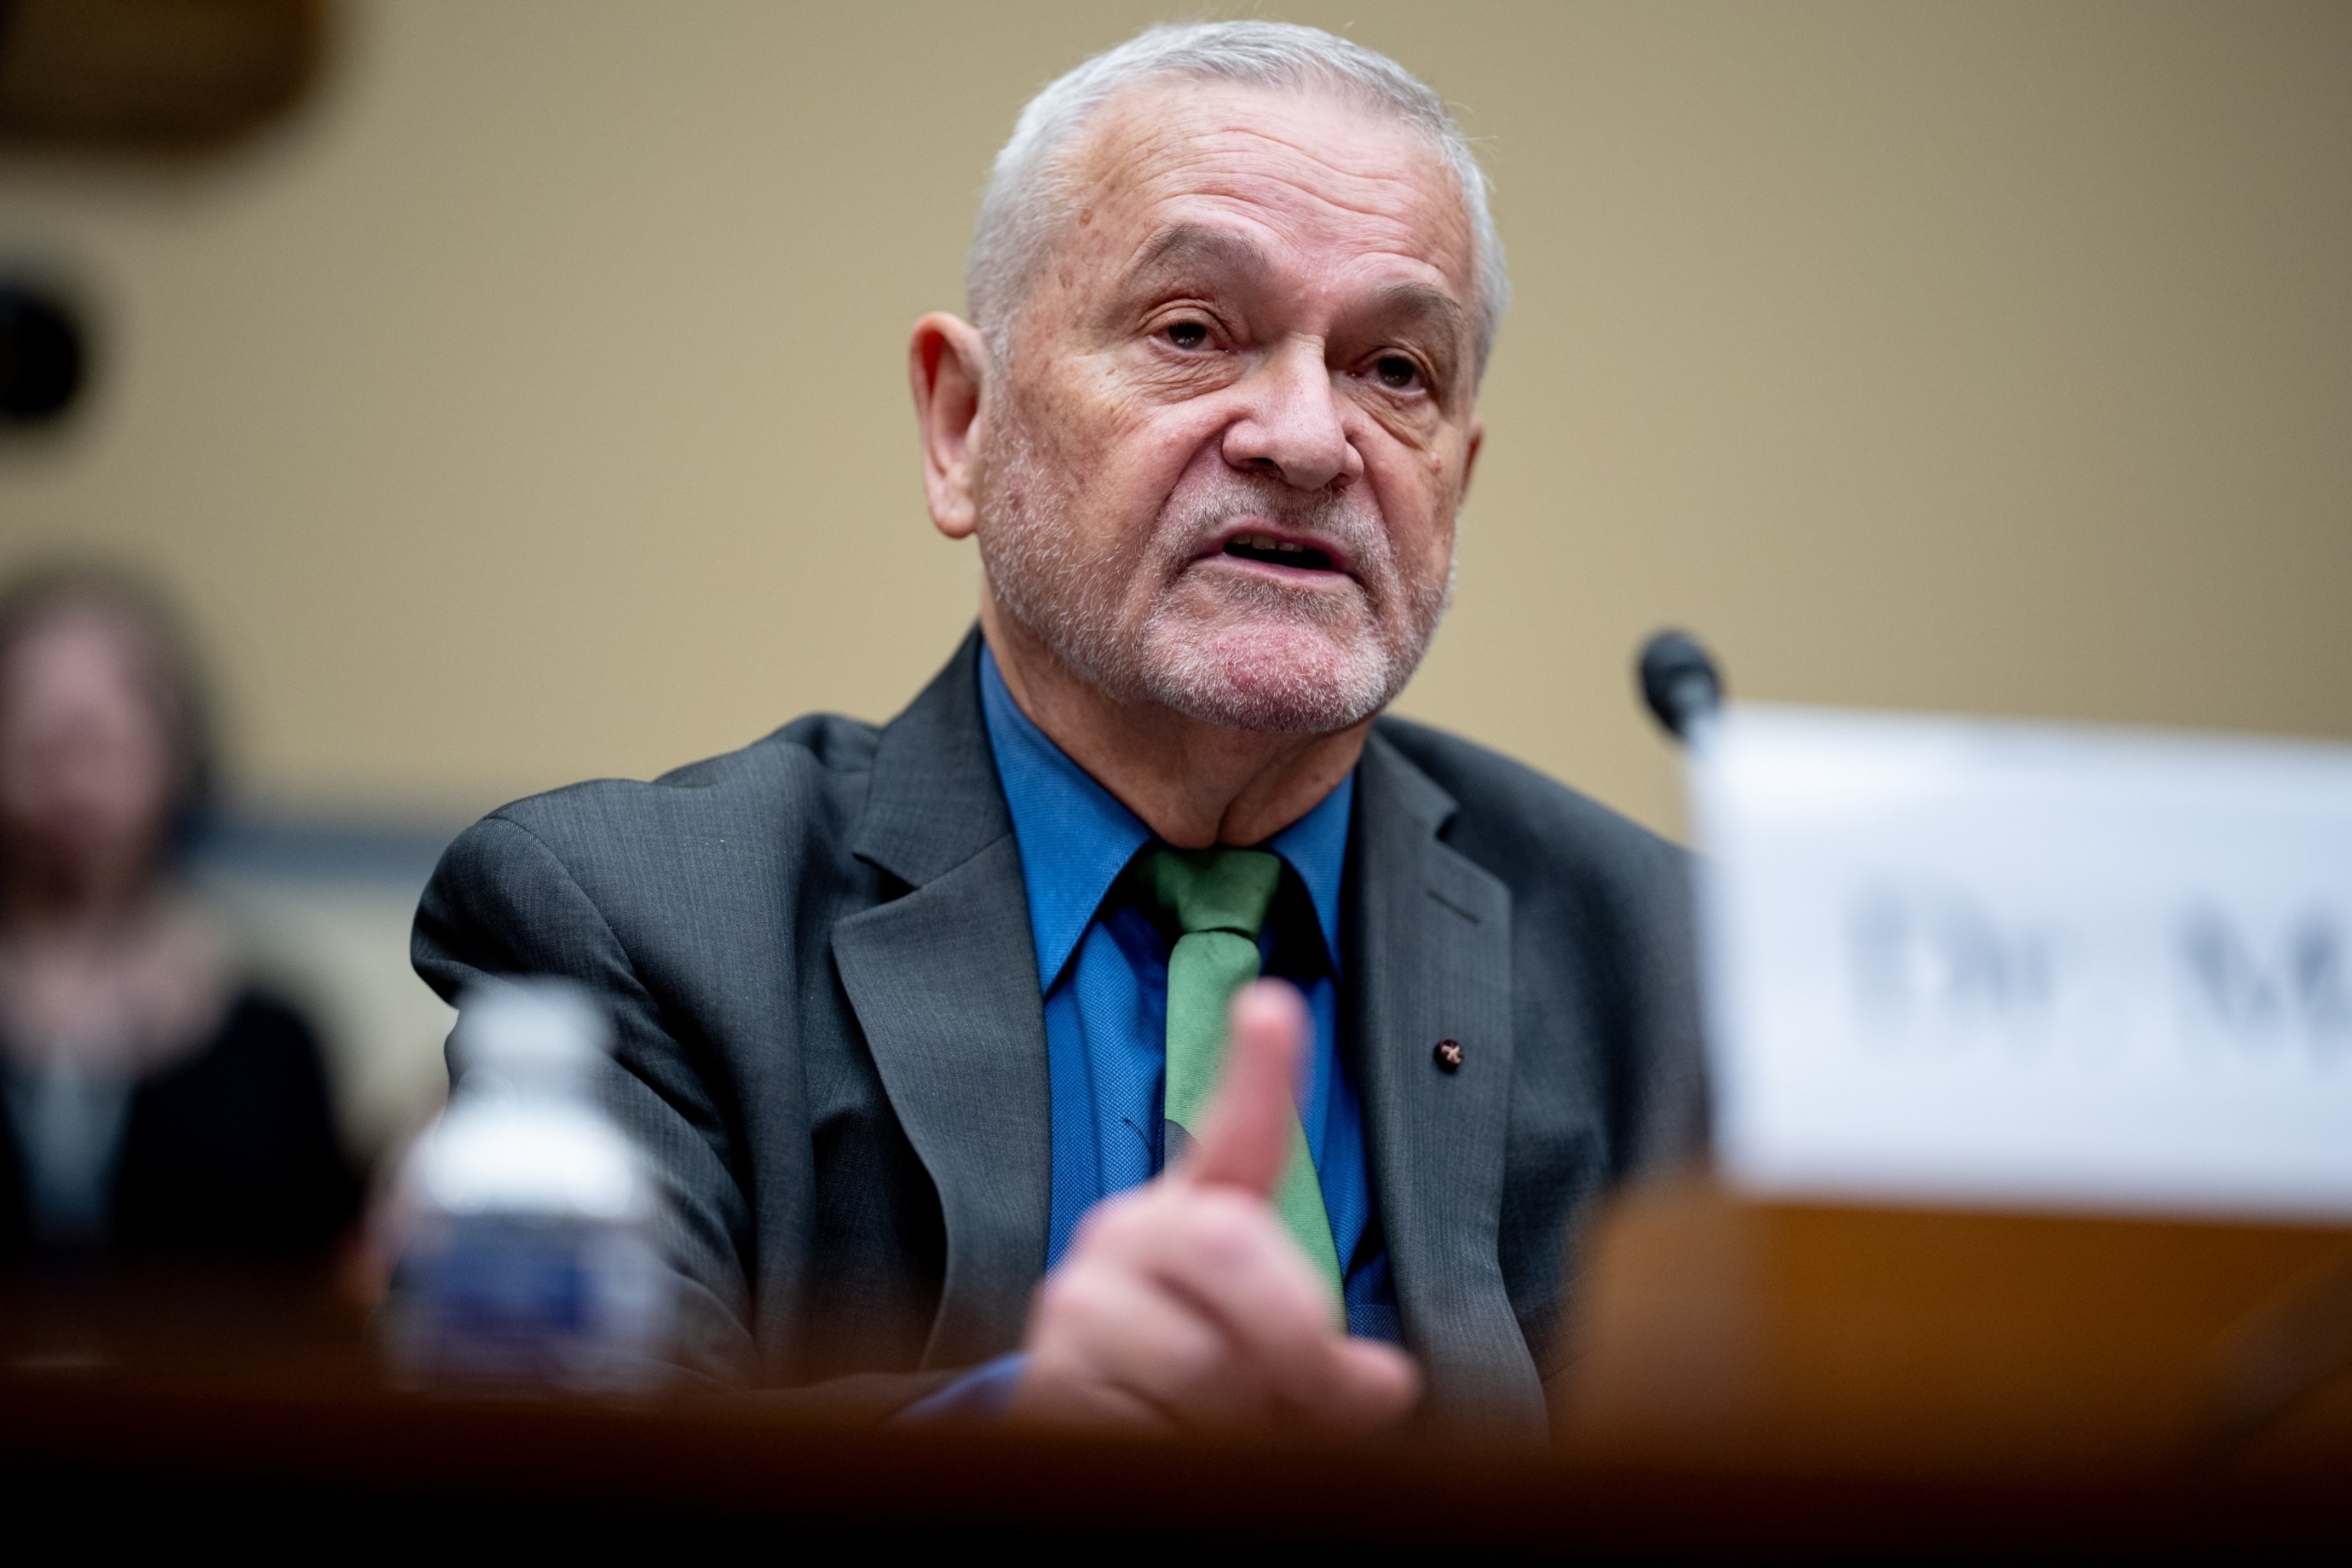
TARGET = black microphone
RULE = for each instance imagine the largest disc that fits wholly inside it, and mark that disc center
(1680, 683)
(41, 358)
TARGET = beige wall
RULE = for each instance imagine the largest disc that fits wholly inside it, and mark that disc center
(534, 408)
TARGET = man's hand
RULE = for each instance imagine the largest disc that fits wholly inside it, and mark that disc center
(1185, 1304)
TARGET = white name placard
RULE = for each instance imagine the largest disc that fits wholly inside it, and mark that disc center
(2021, 966)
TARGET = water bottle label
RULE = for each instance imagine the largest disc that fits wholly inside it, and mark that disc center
(522, 1302)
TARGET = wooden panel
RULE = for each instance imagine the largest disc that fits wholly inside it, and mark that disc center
(152, 74)
(177, 1401)
(1940, 1341)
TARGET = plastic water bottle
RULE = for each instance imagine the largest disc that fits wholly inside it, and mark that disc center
(526, 1221)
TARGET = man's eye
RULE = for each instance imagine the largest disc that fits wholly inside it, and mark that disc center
(1397, 373)
(1187, 334)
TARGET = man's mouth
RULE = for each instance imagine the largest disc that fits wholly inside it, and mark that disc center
(1273, 552)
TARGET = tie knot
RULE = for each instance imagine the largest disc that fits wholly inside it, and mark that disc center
(1213, 890)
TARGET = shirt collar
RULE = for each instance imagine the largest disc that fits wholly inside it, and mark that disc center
(1075, 837)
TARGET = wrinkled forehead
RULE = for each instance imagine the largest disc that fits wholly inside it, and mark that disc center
(1311, 175)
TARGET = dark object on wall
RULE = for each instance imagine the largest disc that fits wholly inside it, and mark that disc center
(40, 356)
(152, 75)
(1679, 681)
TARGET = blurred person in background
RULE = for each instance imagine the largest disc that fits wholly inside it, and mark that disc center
(155, 1103)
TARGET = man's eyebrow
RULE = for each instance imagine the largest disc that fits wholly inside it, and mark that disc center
(1425, 303)
(1186, 245)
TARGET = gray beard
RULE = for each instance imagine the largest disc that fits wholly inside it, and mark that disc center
(1275, 658)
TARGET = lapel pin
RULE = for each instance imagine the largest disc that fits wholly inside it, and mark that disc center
(1448, 1055)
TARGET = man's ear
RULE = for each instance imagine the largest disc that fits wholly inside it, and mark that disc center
(946, 362)
(1470, 451)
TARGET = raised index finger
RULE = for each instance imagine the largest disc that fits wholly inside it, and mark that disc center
(1244, 1138)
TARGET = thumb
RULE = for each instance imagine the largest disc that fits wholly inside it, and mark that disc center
(1245, 1131)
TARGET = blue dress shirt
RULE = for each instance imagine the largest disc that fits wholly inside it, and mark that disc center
(1103, 963)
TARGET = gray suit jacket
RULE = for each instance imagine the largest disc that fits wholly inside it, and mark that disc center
(816, 954)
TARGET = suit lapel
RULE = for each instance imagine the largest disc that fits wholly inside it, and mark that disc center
(944, 982)
(1430, 960)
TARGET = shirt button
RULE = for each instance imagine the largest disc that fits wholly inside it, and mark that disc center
(1448, 1055)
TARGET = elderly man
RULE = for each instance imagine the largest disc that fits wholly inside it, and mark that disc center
(944, 1034)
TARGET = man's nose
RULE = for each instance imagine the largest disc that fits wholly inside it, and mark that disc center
(1293, 426)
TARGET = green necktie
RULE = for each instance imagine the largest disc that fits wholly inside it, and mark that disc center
(1219, 900)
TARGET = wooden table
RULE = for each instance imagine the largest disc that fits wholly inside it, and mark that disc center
(1759, 1380)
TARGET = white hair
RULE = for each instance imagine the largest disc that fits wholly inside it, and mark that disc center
(1029, 192)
